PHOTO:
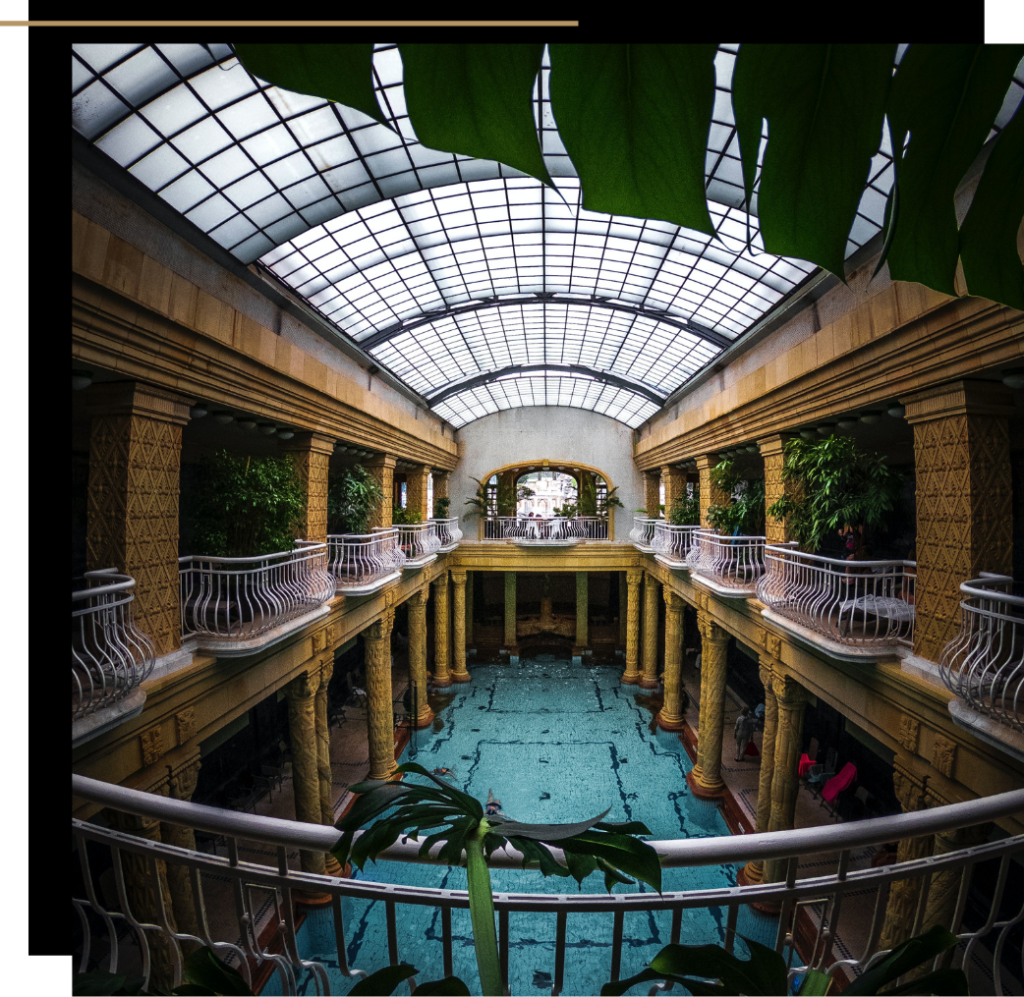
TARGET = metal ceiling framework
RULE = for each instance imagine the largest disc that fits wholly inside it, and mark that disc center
(476, 286)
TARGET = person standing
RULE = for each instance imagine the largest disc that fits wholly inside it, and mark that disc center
(745, 724)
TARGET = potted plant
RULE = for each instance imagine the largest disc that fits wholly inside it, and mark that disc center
(744, 516)
(685, 510)
(352, 493)
(441, 506)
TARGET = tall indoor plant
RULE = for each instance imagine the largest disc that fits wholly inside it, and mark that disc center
(745, 514)
(352, 493)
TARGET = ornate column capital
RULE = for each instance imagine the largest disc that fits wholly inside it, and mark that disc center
(788, 692)
(310, 443)
(966, 397)
(440, 581)
(182, 777)
(911, 790)
(419, 598)
(673, 601)
(634, 576)
(135, 398)
(304, 685)
(710, 630)
(459, 576)
(766, 672)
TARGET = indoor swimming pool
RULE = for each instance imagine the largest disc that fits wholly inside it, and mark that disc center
(556, 742)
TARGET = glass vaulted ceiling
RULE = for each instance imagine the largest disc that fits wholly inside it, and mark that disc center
(474, 284)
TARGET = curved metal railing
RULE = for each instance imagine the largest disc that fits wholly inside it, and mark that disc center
(857, 603)
(950, 871)
(590, 527)
(362, 563)
(419, 541)
(547, 530)
(733, 563)
(448, 532)
(642, 534)
(110, 656)
(984, 663)
(245, 597)
(672, 542)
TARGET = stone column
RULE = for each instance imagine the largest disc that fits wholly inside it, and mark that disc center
(776, 530)
(792, 701)
(442, 676)
(459, 671)
(382, 470)
(674, 481)
(649, 678)
(652, 493)
(623, 607)
(442, 481)
(510, 608)
(671, 715)
(181, 785)
(323, 758)
(301, 694)
(753, 871)
(582, 609)
(380, 715)
(705, 778)
(944, 891)
(418, 656)
(416, 491)
(469, 608)
(632, 673)
(310, 454)
(905, 894)
(134, 483)
(964, 499)
(506, 487)
(709, 495)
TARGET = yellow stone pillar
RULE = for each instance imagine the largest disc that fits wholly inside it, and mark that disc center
(418, 656)
(459, 671)
(181, 785)
(670, 716)
(134, 482)
(652, 493)
(709, 494)
(380, 717)
(776, 530)
(905, 894)
(632, 673)
(416, 491)
(469, 608)
(792, 702)
(964, 499)
(582, 609)
(649, 678)
(301, 695)
(442, 480)
(323, 758)
(623, 607)
(944, 890)
(442, 677)
(311, 453)
(382, 470)
(510, 608)
(674, 481)
(705, 778)
(753, 871)
(506, 493)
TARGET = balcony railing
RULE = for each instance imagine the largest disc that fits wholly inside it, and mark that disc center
(729, 566)
(841, 896)
(419, 542)
(110, 656)
(448, 533)
(590, 527)
(671, 544)
(237, 601)
(984, 663)
(556, 531)
(364, 563)
(862, 605)
(642, 533)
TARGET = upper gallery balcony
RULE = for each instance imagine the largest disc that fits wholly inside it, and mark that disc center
(448, 533)
(984, 663)
(553, 531)
(237, 605)
(110, 656)
(672, 544)
(856, 610)
(419, 542)
(727, 565)
(364, 563)
(642, 533)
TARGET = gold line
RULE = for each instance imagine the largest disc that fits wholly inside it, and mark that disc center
(290, 24)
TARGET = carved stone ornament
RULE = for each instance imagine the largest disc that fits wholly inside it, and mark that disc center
(908, 732)
(944, 755)
(775, 646)
(186, 723)
(152, 745)
(910, 791)
(319, 641)
(332, 635)
(762, 637)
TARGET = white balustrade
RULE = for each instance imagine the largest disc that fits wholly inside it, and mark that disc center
(642, 533)
(448, 533)
(864, 604)
(241, 598)
(730, 565)
(110, 656)
(984, 663)
(364, 563)
(550, 531)
(237, 882)
(671, 544)
(419, 542)
(591, 527)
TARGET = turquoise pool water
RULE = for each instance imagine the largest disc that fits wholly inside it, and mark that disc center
(557, 743)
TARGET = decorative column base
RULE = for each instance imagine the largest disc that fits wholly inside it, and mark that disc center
(669, 722)
(464, 677)
(700, 790)
(630, 678)
(424, 718)
(649, 683)
(752, 874)
(441, 683)
(304, 899)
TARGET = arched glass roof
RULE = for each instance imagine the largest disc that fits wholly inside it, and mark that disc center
(451, 272)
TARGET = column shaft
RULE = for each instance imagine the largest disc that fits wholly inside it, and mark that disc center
(652, 493)
(623, 607)
(418, 656)
(510, 608)
(632, 673)
(753, 871)
(380, 715)
(649, 678)
(674, 481)
(382, 469)
(469, 608)
(459, 671)
(182, 785)
(442, 676)
(416, 491)
(671, 715)
(582, 609)
(775, 486)
(792, 701)
(301, 693)
(323, 758)
(311, 454)
(709, 494)
(705, 778)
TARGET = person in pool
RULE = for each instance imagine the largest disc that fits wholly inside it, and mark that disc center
(493, 807)
(442, 772)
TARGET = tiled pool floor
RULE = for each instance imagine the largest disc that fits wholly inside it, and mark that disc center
(556, 743)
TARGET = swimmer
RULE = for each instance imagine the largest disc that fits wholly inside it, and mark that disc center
(442, 772)
(493, 807)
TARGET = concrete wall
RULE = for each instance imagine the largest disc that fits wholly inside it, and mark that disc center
(564, 435)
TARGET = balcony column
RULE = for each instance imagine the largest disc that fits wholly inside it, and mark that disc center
(459, 671)
(791, 699)
(964, 499)
(776, 530)
(632, 673)
(944, 890)
(709, 494)
(416, 491)
(671, 715)
(380, 717)
(181, 785)
(310, 453)
(510, 609)
(418, 656)
(301, 695)
(652, 493)
(623, 604)
(753, 871)
(705, 778)
(323, 758)
(469, 608)
(382, 470)
(649, 678)
(442, 677)
(134, 483)
(582, 610)
(674, 481)
(442, 481)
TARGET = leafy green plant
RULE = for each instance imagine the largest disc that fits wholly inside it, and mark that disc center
(709, 969)
(244, 506)
(745, 514)
(352, 493)
(685, 510)
(611, 501)
(838, 484)
(204, 973)
(458, 820)
(384, 981)
(506, 495)
(478, 503)
(404, 517)
(587, 502)
(441, 506)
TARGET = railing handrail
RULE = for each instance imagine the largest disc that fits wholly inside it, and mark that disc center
(425, 525)
(307, 547)
(685, 852)
(352, 537)
(664, 524)
(126, 584)
(787, 548)
(978, 588)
